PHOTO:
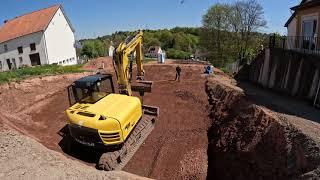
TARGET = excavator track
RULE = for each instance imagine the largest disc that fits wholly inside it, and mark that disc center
(116, 160)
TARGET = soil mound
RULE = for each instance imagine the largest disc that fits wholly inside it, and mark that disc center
(247, 141)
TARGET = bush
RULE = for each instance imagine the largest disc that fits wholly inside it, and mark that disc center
(93, 49)
(177, 54)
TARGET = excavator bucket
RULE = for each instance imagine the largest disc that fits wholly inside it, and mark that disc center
(142, 86)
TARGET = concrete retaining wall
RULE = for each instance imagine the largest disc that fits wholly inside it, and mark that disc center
(290, 72)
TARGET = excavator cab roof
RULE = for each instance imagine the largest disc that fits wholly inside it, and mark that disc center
(89, 81)
(86, 88)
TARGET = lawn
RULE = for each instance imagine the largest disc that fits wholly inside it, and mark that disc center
(26, 72)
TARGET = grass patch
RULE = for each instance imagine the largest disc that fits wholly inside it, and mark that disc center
(26, 72)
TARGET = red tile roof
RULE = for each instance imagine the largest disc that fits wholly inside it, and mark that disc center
(27, 24)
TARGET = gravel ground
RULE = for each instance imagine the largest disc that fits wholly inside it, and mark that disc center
(24, 158)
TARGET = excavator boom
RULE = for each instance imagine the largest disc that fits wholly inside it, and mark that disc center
(123, 65)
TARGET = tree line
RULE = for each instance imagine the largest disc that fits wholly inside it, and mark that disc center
(179, 42)
(230, 31)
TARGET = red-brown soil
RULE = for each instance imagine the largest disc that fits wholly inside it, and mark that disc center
(179, 138)
(35, 107)
(247, 141)
(99, 63)
(175, 149)
(227, 137)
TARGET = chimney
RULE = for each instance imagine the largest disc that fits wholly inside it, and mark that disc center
(5, 21)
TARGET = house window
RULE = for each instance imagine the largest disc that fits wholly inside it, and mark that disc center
(20, 50)
(309, 27)
(0, 64)
(20, 60)
(33, 46)
(5, 48)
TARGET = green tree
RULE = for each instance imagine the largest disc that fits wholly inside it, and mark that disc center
(177, 54)
(100, 48)
(228, 31)
(89, 50)
(166, 39)
(93, 49)
(215, 25)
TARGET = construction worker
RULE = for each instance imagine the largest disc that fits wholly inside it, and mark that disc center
(178, 71)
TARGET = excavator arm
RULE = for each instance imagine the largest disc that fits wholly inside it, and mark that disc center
(123, 65)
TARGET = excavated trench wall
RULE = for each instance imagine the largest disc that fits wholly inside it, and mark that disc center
(247, 141)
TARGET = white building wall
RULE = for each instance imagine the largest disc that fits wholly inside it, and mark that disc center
(13, 54)
(60, 40)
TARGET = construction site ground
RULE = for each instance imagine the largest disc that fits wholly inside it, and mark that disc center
(176, 149)
(300, 113)
(35, 107)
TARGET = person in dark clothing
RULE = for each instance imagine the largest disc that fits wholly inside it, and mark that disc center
(178, 71)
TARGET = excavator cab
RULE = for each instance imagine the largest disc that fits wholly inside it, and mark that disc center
(90, 89)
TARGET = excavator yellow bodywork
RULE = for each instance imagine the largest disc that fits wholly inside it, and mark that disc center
(99, 117)
(121, 114)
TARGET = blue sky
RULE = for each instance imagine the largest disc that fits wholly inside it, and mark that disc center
(92, 18)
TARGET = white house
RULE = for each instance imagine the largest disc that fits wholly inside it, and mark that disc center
(37, 38)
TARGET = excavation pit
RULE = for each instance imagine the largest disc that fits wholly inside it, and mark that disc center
(208, 128)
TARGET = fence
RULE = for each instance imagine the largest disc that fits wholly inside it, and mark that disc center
(316, 102)
(303, 44)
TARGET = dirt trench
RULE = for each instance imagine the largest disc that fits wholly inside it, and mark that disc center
(247, 141)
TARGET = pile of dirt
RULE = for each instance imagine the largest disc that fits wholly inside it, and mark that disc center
(247, 141)
(21, 102)
(105, 63)
(23, 158)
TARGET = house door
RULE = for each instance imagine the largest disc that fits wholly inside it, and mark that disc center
(14, 63)
(308, 32)
(35, 59)
(9, 64)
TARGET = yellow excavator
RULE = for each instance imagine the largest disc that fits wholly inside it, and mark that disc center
(117, 123)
